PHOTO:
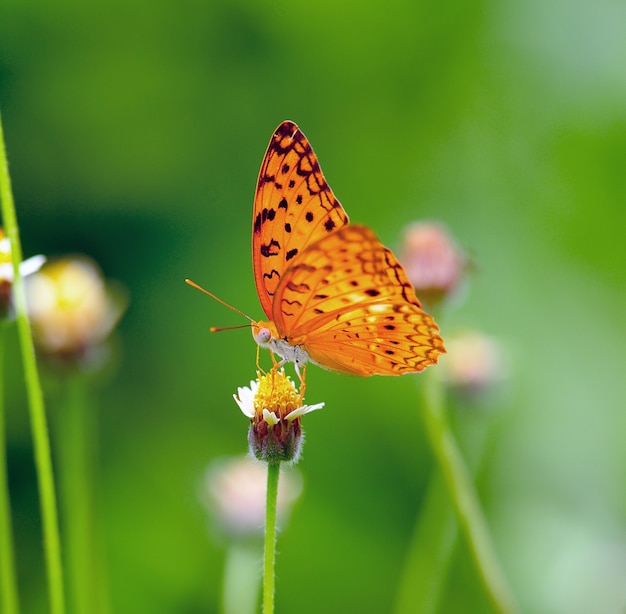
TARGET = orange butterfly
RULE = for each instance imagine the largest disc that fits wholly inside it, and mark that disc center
(334, 295)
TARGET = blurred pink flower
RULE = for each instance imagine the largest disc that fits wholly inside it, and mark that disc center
(474, 362)
(234, 492)
(433, 262)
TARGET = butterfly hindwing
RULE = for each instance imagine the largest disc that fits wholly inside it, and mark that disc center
(381, 339)
(347, 300)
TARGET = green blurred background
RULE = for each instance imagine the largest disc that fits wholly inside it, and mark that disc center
(135, 133)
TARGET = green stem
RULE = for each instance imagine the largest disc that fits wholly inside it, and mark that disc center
(9, 601)
(273, 471)
(429, 552)
(241, 579)
(39, 427)
(75, 433)
(464, 498)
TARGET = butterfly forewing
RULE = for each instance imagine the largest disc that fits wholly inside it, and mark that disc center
(293, 208)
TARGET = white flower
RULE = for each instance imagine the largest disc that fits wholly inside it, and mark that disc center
(27, 267)
(274, 406)
(246, 397)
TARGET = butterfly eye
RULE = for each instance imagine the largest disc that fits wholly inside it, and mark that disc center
(263, 336)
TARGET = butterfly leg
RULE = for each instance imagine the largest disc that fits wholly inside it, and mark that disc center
(276, 365)
(258, 356)
(302, 378)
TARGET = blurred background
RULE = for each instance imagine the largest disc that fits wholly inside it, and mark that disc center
(135, 133)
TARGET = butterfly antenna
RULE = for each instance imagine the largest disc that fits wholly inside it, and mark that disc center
(193, 284)
(219, 329)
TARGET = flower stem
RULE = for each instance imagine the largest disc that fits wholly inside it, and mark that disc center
(429, 552)
(39, 427)
(75, 430)
(9, 601)
(273, 471)
(241, 579)
(464, 498)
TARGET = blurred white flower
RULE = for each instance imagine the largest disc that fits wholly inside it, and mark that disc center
(234, 490)
(72, 310)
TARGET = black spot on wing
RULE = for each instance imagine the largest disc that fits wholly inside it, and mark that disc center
(329, 225)
(267, 251)
(309, 216)
(291, 253)
(268, 214)
(287, 227)
(272, 273)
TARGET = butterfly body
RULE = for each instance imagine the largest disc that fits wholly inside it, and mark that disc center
(334, 295)
(266, 335)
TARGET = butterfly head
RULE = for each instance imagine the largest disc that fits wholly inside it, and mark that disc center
(264, 332)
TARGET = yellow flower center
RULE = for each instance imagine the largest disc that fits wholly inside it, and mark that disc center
(277, 394)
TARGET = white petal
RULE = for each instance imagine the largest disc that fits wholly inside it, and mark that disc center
(31, 265)
(305, 409)
(245, 399)
(270, 417)
(245, 410)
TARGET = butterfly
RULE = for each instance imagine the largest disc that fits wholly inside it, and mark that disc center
(333, 294)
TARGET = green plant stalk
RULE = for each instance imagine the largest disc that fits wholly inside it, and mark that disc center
(463, 496)
(39, 427)
(241, 578)
(429, 552)
(75, 430)
(9, 600)
(269, 558)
